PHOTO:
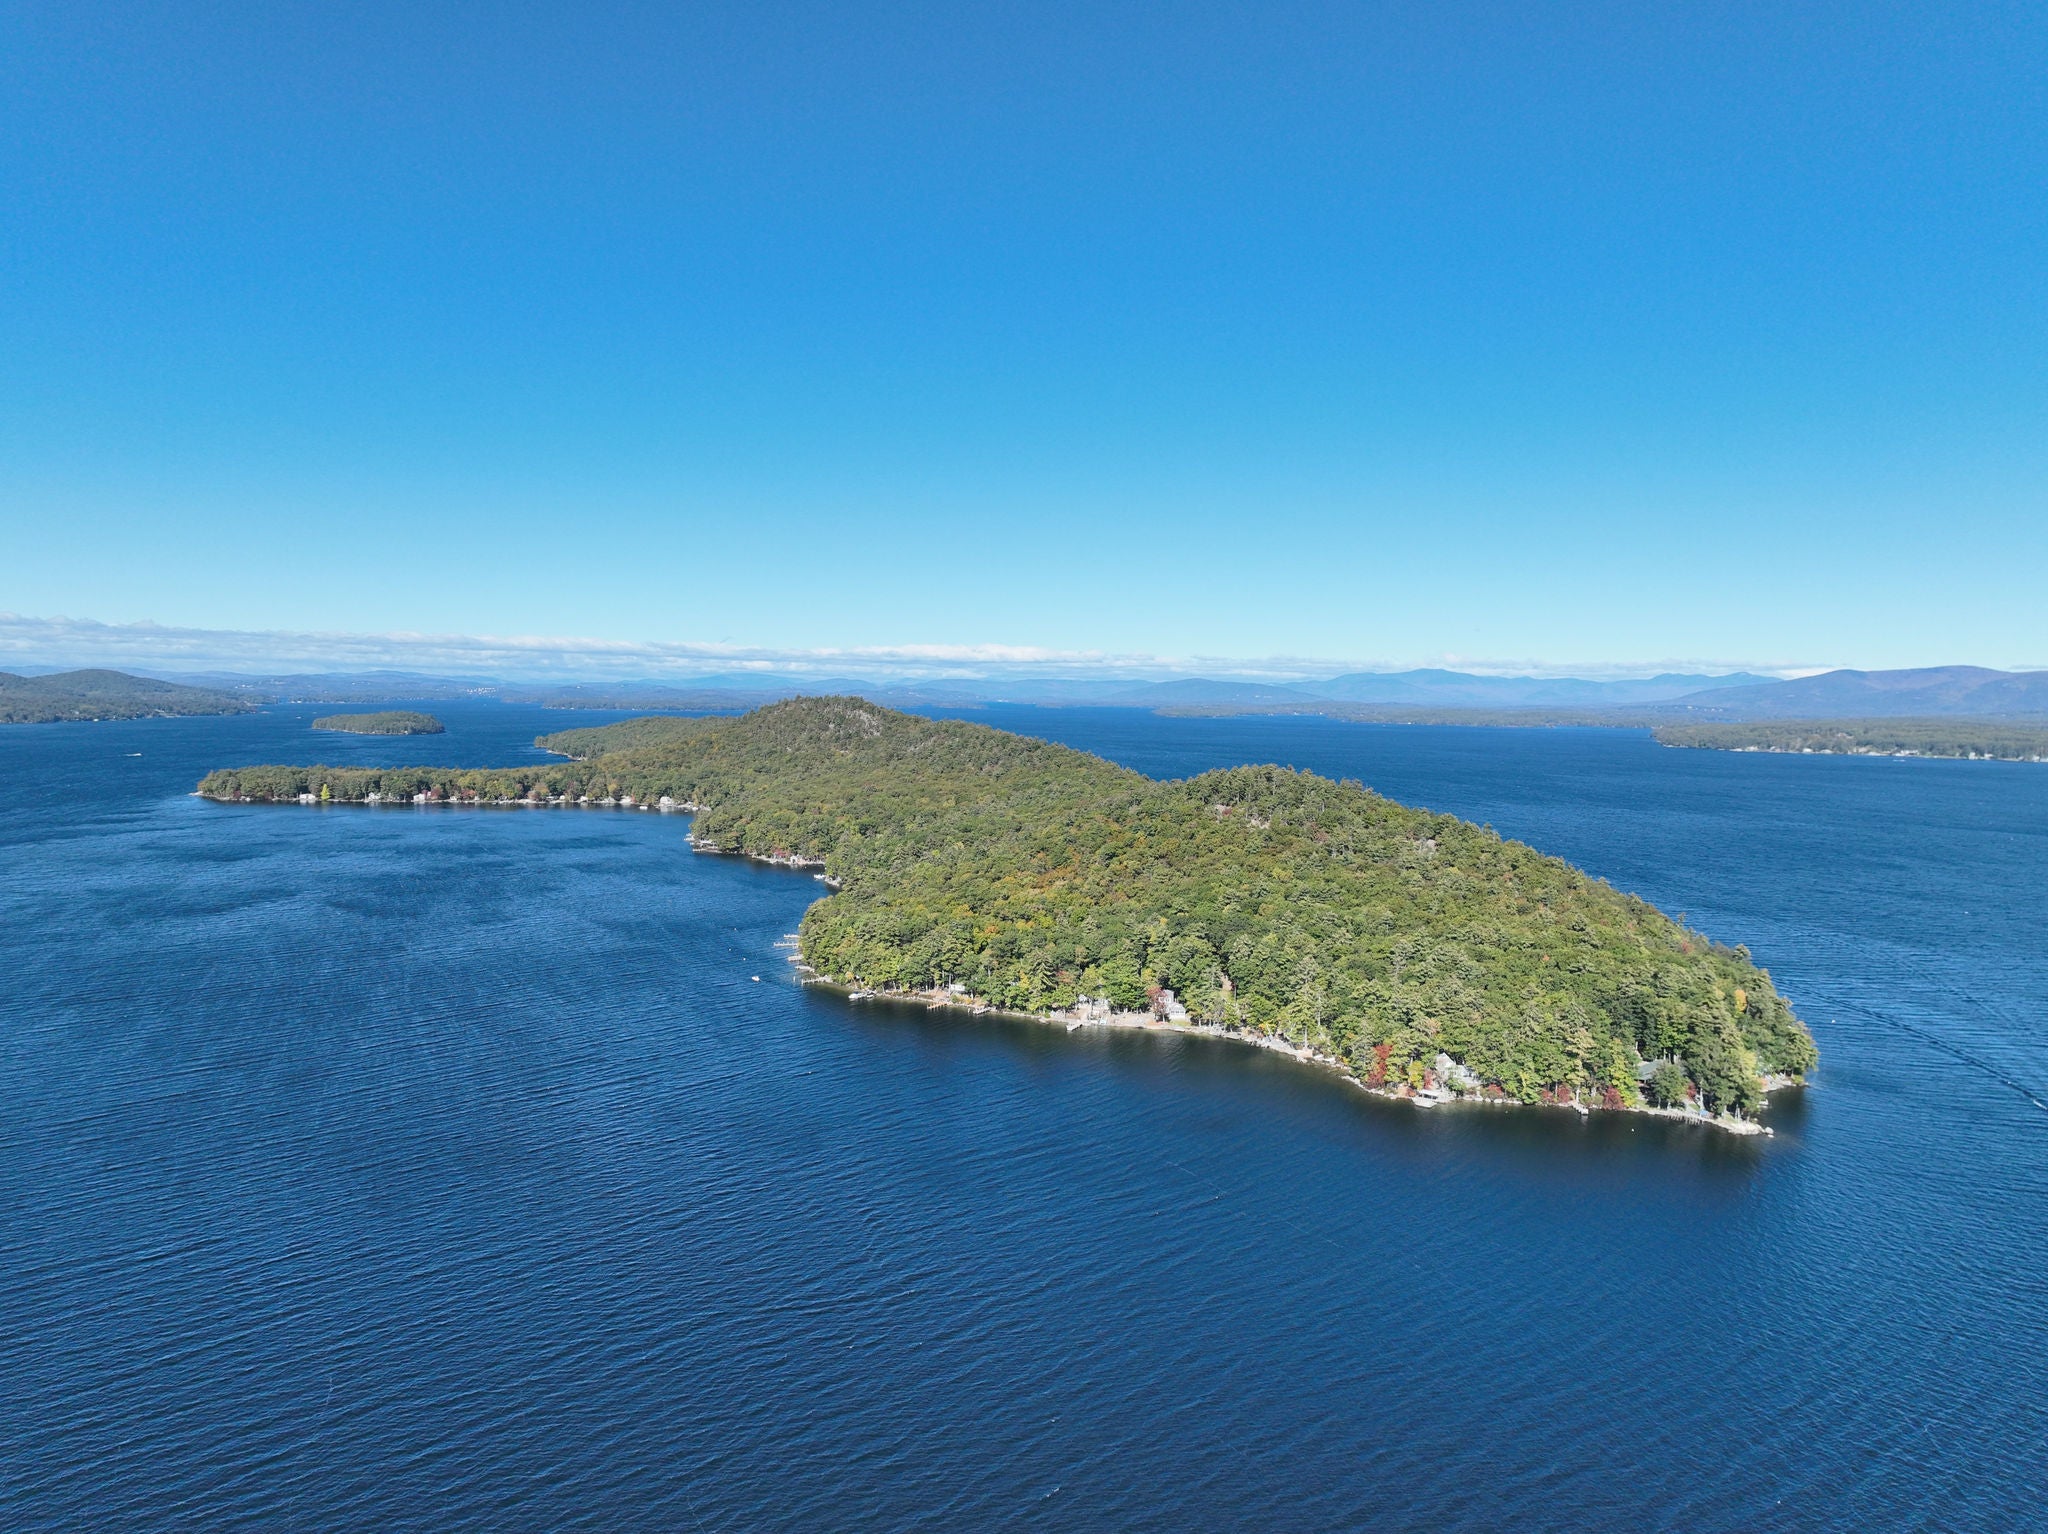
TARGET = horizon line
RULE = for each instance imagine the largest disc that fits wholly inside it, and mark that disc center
(64, 642)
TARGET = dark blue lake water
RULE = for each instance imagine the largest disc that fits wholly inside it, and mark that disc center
(449, 1170)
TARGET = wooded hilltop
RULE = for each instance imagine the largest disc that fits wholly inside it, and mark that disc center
(1273, 901)
(94, 695)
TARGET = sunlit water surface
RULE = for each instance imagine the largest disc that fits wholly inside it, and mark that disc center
(450, 1169)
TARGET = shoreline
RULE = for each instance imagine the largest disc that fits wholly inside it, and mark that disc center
(374, 801)
(935, 1000)
(1904, 755)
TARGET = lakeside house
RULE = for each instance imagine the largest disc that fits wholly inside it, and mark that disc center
(1455, 1074)
(1167, 1006)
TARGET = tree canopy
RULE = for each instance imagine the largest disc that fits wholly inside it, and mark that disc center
(396, 721)
(83, 695)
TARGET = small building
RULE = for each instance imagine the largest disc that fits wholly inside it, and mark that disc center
(1168, 1006)
(1456, 1076)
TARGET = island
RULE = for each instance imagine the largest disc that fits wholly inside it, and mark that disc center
(1969, 739)
(1418, 954)
(397, 721)
(106, 695)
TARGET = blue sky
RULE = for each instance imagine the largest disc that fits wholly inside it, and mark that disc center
(1376, 333)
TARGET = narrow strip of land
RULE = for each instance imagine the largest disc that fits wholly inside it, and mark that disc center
(1969, 739)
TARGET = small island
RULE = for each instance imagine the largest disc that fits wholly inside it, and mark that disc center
(396, 721)
(1993, 740)
(1420, 955)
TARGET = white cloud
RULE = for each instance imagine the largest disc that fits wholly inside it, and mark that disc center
(46, 643)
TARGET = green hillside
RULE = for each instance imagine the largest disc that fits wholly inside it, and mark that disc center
(104, 695)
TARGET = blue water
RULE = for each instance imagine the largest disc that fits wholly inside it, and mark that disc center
(448, 1169)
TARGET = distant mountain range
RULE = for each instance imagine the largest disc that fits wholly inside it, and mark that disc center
(1418, 695)
(742, 689)
(1459, 687)
(1928, 692)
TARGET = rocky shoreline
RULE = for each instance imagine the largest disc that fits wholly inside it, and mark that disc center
(665, 805)
(1432, 1095)
(1139, 1021)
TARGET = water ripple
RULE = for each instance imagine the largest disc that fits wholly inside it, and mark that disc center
(444, 1172)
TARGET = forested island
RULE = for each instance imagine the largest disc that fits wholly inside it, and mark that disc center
(396, 721)
(1975, 739)
(1420, 954)
(102, 695)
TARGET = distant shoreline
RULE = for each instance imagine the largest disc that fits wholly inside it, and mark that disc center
(1969, 740)
(1903, 756)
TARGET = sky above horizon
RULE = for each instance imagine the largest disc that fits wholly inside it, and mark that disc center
(1391, 334)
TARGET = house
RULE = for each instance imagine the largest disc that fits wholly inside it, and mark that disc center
(1459, 1078)
(1166, 1005)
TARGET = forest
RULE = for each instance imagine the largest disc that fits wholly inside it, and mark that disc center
(396, 721)
(1269, 900)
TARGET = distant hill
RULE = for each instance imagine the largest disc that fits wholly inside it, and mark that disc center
(1925, 692)
(104, 695)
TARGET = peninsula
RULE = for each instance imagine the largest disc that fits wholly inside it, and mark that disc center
(397, 721)
(1970, 739)
(1419, 954)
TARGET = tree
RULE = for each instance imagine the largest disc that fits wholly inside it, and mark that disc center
(1724, 1069)
(1667, 1085)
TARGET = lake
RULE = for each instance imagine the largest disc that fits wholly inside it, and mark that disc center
(438, 1169)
